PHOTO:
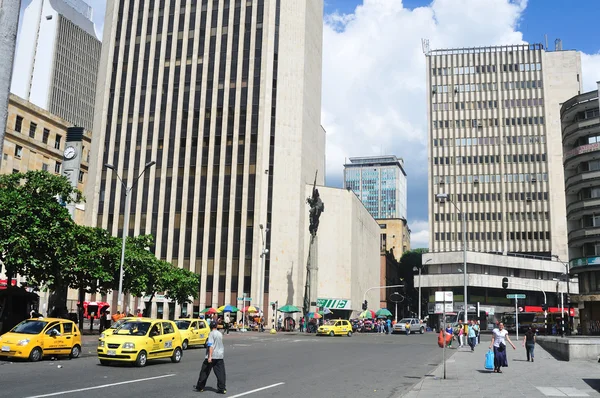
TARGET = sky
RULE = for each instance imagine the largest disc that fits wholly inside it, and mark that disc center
(374, 99)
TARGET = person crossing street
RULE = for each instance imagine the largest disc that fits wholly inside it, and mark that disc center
(214, 360)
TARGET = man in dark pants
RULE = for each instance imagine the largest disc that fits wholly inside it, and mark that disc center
(214, 360)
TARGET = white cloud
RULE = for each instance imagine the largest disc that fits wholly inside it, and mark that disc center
(590, 65)
(374, 99)
(419, 235)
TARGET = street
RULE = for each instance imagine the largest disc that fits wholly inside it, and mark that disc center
(294, 365)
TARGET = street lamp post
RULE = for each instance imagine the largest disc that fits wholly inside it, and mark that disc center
(420, 297)
(126, 222)
(443, 197)
(261, 284)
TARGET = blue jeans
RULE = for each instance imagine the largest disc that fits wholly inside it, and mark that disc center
(472, 342)
(529, 348)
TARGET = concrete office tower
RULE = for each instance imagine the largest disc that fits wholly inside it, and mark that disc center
(225, 96)
(581, 145)
(56, 63)
(380, 184)
(495, 149)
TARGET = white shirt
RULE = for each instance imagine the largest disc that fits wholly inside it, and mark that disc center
(499, 337)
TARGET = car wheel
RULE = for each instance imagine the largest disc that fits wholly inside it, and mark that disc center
(349, 334)
(36, 354)
(75, 351)
(331, 333)
(141, 359)
(422, 330)
(177, 354)
(104, 362)
(184, 345)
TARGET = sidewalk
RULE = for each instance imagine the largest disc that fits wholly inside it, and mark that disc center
(546, 377)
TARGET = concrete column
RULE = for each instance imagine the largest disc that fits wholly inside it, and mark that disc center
(9, 22)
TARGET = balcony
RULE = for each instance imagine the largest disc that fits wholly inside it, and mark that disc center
(580, 129)
(582, 180)
(576, 210)
(584, 264)
(584, 235)
(591, 150)
(576, 104)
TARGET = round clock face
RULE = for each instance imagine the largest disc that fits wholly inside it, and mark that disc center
(70, 152)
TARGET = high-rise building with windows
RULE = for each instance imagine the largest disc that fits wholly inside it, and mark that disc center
(380, 184)
(56, 61)
(225, 96)
(495, 158)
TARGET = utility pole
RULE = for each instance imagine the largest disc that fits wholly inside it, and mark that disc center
(9, 23)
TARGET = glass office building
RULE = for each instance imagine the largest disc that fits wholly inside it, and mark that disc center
(380, 183)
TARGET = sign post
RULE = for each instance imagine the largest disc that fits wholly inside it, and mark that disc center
(444, 297)
(516, 297)
(243, 299)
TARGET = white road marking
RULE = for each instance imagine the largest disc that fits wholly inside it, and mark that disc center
(257, 390)
(102, 386)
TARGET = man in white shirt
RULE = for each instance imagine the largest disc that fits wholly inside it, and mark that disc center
(214, 360)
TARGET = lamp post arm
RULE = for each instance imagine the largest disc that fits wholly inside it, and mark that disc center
(379, 287)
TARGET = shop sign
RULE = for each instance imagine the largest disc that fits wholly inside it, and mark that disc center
(333, 304)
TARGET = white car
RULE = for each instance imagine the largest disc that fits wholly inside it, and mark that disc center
(415, 326)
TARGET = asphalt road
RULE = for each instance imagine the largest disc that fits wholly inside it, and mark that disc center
(293, 366)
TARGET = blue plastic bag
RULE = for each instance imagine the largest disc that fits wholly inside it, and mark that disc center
(489, 360)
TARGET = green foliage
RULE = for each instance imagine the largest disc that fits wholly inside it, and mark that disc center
(39, 240)
(411, 259)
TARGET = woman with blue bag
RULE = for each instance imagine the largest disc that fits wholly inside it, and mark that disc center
(499, 337)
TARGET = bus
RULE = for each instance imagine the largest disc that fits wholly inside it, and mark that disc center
(533, 316)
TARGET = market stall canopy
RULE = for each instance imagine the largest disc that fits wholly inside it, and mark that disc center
(383, 312)
(227, 308)
(288, 309)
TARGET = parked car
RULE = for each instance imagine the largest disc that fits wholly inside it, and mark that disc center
(415, 326)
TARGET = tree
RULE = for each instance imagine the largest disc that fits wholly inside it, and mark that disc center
(36, 230)
(411, 259)
(144, 274)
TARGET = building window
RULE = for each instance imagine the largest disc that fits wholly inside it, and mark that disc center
(32, 128)
(57, 141)
(81, 176)
(18, 151)
(15, 171)
(45, 166)
(45, 136)
(57, 167)
(18, 124)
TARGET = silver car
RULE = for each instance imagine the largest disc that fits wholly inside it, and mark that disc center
(415, 326)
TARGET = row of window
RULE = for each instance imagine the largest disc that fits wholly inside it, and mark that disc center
(470, 216)
(523, 84)
(492, 159)
(515, 139)
(528, 216)
(483, 236)
(33, 130)
(486, 178)
(523, 103)
(482, 87)
(480, 123)
(472, 70)
(461, 105)
(463, 123)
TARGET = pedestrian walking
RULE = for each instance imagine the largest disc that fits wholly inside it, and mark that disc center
(472, 336)
(529, 343)
(499, 337)
(301, 324)
(449, 331)
(213, 360)
(461, 334)
(389, 326)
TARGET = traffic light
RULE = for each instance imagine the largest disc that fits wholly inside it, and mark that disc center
(544, 307)
(568, 299)
(505, 283)
(364, 305)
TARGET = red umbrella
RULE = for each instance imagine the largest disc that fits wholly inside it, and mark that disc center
(210, 311)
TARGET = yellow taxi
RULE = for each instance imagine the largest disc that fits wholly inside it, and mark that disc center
(338, 327)
(139, 340)
(194, 332)
(113, 327)
(37, 337)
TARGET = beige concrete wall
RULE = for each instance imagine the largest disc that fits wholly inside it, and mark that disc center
(348, 248)
(562, 80)
(397, 236)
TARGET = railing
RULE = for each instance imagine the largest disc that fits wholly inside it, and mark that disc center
(510, 254)
(580, 150)
(577, 100)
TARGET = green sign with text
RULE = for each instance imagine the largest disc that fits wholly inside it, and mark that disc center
(334, 304)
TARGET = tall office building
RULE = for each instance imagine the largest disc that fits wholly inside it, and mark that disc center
(56, 62)
(495, 154)
(225, 96)
(380, 184)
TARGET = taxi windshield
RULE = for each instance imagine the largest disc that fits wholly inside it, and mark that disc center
(30, 327)
(183, 325)
(330, 323)
(118, 323)
(133, 328)
(405, 320)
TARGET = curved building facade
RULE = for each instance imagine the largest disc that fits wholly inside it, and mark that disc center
(580, 117)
